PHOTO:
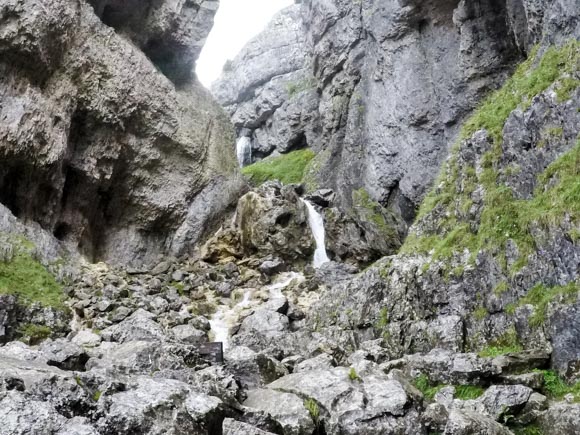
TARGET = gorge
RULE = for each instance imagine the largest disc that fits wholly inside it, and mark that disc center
(374, 214)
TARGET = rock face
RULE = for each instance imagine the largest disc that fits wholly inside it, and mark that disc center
(107, 139)
(393, 82)
(269, 90)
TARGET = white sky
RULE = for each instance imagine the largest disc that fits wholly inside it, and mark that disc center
(236, 22)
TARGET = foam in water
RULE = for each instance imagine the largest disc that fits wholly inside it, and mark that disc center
(244, 150)
(317, 227)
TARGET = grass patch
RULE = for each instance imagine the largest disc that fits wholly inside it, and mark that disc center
(428, 389)
(480, 313)
(28, 279)
(540, 297)
(556, 388)
(468, 392)
(507, 343)
(287, 168)
(532, 429)
(503, 217)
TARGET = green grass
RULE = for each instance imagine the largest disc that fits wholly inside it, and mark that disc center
(29, 280)
(532, 429)
(352, 375)
(501, 288)
(480, 313)
(97, 395)
(428, 389)
(556, 388)
(503, 217)
(540, 297)
(468, 392)
(287, 168)
(506, 343)
(312, 408)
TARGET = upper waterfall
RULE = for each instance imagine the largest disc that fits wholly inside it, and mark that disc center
(244, 151)
(316, 223)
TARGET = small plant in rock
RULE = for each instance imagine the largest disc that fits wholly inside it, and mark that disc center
(33, 334)
(424, 385)
(312, 408)
(352, 375)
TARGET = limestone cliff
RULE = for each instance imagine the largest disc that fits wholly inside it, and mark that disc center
(106, 138)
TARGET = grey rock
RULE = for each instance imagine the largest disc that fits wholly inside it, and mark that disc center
(253, 369)
(139, 326)
(470, 423)
(505, 399)
(64, 355)
(286, 408)
(188, 334)
(21, 416)
(320, 362)
(561, 418)
(233, 427)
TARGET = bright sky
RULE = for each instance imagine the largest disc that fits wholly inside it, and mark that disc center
(236, 22)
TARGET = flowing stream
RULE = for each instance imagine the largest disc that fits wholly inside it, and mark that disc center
(244, 151)
(226, 316)
(316, 223)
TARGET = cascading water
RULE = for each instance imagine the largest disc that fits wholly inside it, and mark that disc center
(226, 316)
(316, 223)
(244, 151)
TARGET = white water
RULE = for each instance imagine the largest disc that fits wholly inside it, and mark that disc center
(227, 317)
(316, 223)
(244, 151)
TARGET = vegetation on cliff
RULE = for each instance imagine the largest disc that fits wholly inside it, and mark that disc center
(287, 168)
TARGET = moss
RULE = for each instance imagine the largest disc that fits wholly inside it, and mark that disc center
(288, 168)
(373, 212)
(97, 395)
(554, 132)
(531, 429)
(480, 313)
(556, 388)
(28, 279)
(428, 389)
(506, 343)
(541, 296)
(500, 289)
(468, 392)
(565, 87)
(383, 320)
(179, 287)
(503, 217)
(34, 334)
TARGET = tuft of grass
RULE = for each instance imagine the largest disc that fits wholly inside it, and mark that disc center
(501, 288)
(507, 343)
(28, 279)
(556, 388)
(97, 395)
(352, 375)
(287, 168)
(312, 408)
(383, 320)
(468, 392)
(532, 429)
(425, 386)
(480, 313)
(540, 297)
(33, 334)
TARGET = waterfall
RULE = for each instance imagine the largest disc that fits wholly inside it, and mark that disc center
(244, 151)
(317, 227)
